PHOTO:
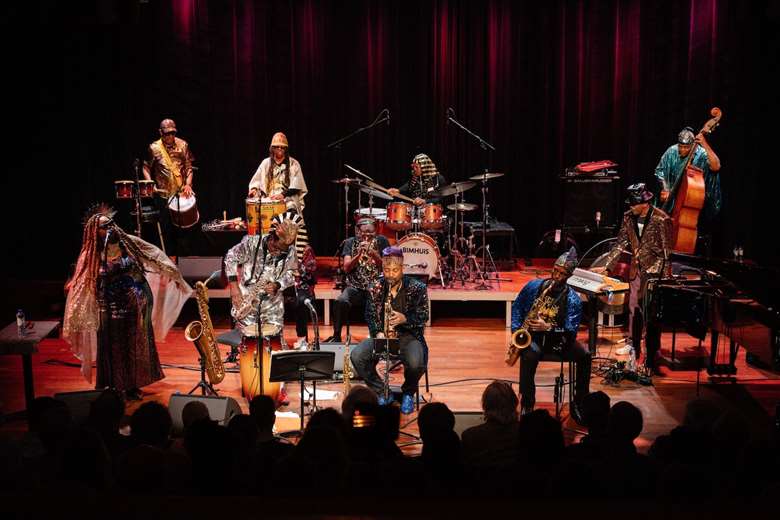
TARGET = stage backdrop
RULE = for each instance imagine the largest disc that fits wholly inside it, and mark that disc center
(549, 84)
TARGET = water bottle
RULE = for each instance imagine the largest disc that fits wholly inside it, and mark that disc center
(631, 359)
(21, 322)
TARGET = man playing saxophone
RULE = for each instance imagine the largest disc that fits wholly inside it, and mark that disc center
(397, 307)
(259, 269)
(554, 331)
(362, 264)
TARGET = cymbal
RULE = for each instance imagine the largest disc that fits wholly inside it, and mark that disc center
(346, 180)
(486, 176)
(462, 206)
(376, 193)
(452, 189)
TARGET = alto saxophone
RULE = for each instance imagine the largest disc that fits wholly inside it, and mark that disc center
(544, 308)
(347, 371)
(201, 333)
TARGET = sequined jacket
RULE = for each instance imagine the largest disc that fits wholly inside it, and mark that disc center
(569, 311)
(650, 252)
(416, 310)
(259, 265)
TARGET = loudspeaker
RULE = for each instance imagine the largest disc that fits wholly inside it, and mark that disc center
(338, 350)
(465, 420)
(588, 199)
(221, 409)
(78, 403)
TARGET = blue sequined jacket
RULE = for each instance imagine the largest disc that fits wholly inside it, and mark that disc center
(570, 322)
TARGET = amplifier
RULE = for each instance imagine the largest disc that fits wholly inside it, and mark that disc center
(590, 201)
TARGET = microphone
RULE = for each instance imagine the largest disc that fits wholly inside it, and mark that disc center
(387, 113)
(450, 113)
(598, 218)
(307, 303)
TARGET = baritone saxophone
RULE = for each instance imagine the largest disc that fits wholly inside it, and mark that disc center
(201, 333)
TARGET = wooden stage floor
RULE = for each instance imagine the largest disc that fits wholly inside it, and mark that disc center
(465, 355)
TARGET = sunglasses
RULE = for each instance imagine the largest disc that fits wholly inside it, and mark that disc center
(171, 132)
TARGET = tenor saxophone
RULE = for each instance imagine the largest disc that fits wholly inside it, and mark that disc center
(390, 332)
(543, 307)
(201, 333)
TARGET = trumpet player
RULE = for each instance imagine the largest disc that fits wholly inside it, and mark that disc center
(552, 333)
(398, 305)
(269, 261)
(363, 265)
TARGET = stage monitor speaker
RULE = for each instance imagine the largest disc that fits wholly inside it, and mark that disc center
(221, 409)
(338, 349)
(200, 268)
(465, 420)
(78, 403)
(590, 201)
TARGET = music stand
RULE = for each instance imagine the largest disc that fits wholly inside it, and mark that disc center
(384, 347)
(302, 366)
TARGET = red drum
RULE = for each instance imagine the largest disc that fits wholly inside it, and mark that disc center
(146, 188)
(399, 216)
(124, 189)
(431, 217)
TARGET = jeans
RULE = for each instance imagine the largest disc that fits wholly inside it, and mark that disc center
(573, 351)
(411, 353)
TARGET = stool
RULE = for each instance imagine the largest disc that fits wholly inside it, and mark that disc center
(560, 380)
(394, 362)
(233, 340)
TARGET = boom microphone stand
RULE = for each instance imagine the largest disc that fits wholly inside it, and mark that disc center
(488, 148)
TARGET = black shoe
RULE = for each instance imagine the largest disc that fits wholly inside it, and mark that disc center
(576, 414)
(333, 339)
(134, 394)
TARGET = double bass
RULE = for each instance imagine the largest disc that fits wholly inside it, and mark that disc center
(690, 189)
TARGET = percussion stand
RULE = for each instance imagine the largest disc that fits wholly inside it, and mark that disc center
(484, 284)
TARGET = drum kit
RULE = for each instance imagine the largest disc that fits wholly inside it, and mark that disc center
(434, 243)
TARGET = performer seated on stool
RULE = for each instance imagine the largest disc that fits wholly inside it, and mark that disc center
(408, 298)
(646, 233)
(268, 260)
(558, 336)
(361, 263)
(294, 297)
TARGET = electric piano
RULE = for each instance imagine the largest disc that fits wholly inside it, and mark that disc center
(595, 286)
(736, 299)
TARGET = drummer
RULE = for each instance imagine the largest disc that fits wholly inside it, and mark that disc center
(425, 179)
(169, 163)
(280, 178)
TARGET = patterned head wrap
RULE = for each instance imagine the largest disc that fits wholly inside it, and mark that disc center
(427, 167)
(285, 226)
(392, 254)
(686, 136)
(568, 261)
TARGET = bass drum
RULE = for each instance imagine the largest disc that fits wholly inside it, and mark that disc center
(256, 371)
(184, 211)
(421, 255)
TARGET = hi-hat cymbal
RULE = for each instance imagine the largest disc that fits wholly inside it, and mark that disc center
(454, 188)
(462, 206)
(376, 193)
(346, 180)
(486, 176)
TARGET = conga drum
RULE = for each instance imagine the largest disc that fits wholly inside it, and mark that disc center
(123, 189)
(184, 211)
(146, 188)
(268, 210)
(399, 216)
(255, 370)
(253, 216)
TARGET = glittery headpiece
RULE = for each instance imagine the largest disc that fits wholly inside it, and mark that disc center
(568, 260)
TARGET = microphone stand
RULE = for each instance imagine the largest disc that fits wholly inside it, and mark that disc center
(488, 148)
(383, 116)
(137, 196)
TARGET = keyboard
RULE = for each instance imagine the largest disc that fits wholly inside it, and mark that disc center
(595, 284)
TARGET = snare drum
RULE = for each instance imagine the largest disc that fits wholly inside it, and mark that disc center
(268, 210)
(421, 255)
(124, 189)
(399, 216)
(146, 187)
(184, 211)
(431, 216)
